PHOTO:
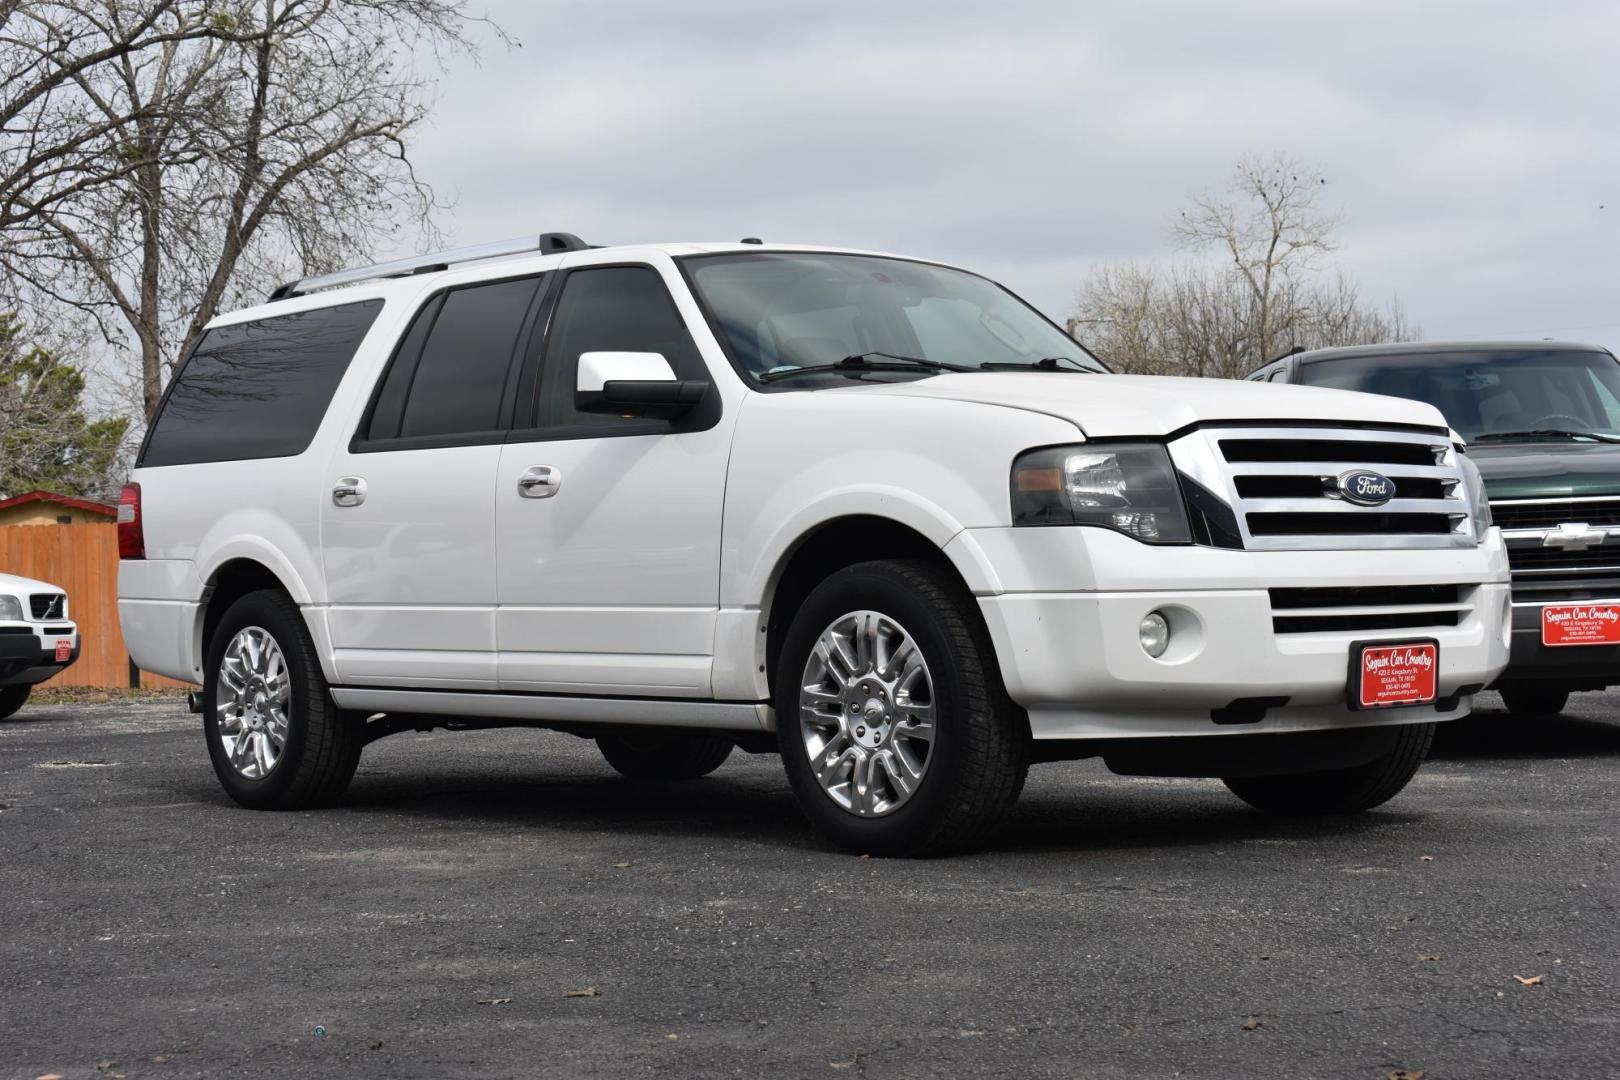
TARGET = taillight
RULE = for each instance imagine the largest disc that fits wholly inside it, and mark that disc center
(131, 539)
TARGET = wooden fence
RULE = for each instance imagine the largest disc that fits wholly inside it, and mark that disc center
(82, 559)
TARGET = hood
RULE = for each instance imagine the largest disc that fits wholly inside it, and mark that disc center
(1548, 470)
(1109, 406)
(12, 585)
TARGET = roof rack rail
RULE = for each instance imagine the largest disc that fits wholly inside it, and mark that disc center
(549, 243)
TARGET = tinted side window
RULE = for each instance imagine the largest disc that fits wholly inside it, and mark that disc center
(390, 404)
(258, 389)
(457, 382)
(610, 309)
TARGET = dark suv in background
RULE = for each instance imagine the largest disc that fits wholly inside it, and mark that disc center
(1542, 423)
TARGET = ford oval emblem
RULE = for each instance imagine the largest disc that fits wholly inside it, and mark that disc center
(1366, 488)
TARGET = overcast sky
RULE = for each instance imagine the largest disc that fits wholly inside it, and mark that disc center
(1472, 150)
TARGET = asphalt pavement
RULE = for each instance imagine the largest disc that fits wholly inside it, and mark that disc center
(501, 904)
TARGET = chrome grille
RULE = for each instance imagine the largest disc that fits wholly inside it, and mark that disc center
(1280, 485)
(1367, 607)
(1561, 549)
(48, 605)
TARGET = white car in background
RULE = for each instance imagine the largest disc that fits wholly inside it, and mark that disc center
(37, 640)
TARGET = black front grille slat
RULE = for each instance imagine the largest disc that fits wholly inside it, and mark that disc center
(1309, 624)
(1570, 559)
(1552, 515)
(1362, 596)
(1371, 523)
(1310, 487)
(1357, 451)
(47, 605)
(1304, 610)
(1554, 589)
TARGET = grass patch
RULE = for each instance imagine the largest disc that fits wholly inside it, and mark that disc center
(92, 695)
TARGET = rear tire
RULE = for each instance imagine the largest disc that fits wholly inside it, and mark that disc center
(665, 757)
(320, 743)
(853, 729)
(1340, 791)
(13, 698)
(1534, 699)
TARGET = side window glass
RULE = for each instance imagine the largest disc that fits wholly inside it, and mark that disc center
(450, 374)
(610, 309)
(385, 415)
(1278, 373)
(258, 389)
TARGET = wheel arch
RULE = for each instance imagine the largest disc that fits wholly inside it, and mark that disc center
(828, 547)
(236, 576)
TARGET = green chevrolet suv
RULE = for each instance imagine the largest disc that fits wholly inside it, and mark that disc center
(1542, 423)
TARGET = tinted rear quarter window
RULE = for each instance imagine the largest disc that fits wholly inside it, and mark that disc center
(258, 389)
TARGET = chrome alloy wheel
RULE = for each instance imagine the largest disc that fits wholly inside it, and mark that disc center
(866, 713)
(250, 703)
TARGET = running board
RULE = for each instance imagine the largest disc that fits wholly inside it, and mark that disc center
(556, 708)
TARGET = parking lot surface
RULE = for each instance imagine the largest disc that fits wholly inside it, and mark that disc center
(501, 904)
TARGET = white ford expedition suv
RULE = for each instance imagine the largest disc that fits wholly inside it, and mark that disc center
(874, 513)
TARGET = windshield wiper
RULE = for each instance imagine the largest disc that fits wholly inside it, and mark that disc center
(863, 362)
(1045, 363)
(1546, 433)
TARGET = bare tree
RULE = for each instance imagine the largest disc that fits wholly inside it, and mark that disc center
(162, 158)
(1266, 289)
(1271, 232)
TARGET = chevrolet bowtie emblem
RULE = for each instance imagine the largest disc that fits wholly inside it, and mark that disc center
(1574, 536)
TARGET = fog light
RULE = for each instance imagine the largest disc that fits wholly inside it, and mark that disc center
(1154, 634)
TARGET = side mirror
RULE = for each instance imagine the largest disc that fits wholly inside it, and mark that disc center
(633, 384)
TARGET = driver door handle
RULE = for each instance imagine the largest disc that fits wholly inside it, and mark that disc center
(539, 482)
(349, 491)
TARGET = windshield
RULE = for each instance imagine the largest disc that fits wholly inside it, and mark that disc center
(1533, 394)
(878, 320)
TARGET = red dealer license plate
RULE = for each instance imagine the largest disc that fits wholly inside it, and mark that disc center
(1389, 674)
(1580, 624)
(64, 651)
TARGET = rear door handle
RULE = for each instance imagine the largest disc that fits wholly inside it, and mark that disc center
(539, 482)
(349, 491)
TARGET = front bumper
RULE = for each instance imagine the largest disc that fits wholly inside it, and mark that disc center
(1579, 667)
(1072, 657)
(29, 656)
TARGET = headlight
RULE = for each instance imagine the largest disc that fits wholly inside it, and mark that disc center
(1476, 496)
(10, 609)
(1128, 487)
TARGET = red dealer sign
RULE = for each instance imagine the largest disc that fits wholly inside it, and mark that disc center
(1580, 624)
(1403, 674)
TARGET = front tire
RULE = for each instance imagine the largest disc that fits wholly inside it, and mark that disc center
(13, 698)
(1340, 791)
(665, 757)
(896, 733)
(1534, 699)
(277, 740)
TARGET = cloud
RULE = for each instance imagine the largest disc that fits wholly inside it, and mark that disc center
(1467, 146)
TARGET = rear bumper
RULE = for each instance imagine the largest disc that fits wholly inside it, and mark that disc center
(1580, 667)
(30, 657)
